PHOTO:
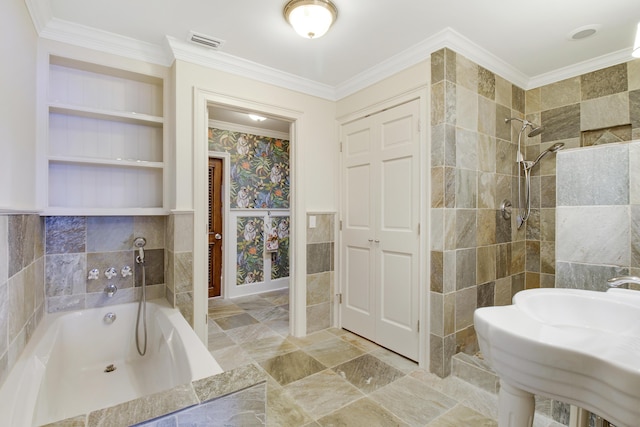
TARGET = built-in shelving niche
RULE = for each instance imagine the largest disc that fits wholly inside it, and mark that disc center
(105, 145)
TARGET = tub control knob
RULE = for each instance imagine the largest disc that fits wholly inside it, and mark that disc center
(110, 273)
(126, 271)
(93, 274)
(109, 318)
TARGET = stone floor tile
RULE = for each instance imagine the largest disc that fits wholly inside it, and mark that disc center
(235, 321)
(291, 367)
(368, 373)
(361, 413)
(461, 416)
(333, 352)
(322, 393)
(413, 401)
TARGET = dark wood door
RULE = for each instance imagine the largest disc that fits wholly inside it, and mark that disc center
(215, 227)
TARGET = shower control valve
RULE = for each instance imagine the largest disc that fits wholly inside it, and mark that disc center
(126, 271)
(93, 274)
(110, 273)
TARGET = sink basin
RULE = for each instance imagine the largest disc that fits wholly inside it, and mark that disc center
(577, 346)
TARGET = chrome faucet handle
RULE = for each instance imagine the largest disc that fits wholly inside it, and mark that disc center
(94, 273)
(126, 271)
(110, 290)
(614, 282)
(110, 273)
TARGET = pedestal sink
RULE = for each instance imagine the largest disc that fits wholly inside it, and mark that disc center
(576, 346)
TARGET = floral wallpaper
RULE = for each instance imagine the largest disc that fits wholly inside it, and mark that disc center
(250, 248)
(280, 258)
(250, 265)
(259, 168)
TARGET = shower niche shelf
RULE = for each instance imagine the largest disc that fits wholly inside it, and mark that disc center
(105, 139)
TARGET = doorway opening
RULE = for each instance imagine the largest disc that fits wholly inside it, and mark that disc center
(249, 203)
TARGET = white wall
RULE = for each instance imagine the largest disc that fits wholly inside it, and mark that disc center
(394, 86)
(317, 140)
(18, 50)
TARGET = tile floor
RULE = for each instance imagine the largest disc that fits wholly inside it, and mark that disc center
(336, 378)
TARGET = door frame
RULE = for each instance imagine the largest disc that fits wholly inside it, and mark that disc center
(202, 98)
(422, 95)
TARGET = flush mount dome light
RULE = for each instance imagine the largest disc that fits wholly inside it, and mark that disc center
(583, 32)
(310, 18)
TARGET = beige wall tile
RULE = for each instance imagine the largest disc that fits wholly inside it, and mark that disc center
(559, 94)
(633, 71)
(467, 73)
(503, 92)
(606, 111)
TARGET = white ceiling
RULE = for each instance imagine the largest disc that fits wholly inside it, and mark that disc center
(527, 39)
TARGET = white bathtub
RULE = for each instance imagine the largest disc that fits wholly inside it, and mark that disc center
(61, 372)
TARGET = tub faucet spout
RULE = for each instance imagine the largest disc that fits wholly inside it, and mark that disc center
(110, 290)
(614, 282)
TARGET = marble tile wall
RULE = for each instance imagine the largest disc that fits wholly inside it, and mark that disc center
(593, 109)
(21, 285)
(477, 257)
(75, 245)
(179, 265)
(598, 236)
(320, 271)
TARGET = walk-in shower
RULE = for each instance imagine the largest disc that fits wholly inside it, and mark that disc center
(525, 166)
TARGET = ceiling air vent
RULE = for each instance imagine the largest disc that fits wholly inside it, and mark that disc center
(206, 41)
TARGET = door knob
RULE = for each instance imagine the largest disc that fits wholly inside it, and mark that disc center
(217, 236)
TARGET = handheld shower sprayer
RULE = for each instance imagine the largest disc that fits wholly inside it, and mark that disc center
(140, 243)
(525, 166)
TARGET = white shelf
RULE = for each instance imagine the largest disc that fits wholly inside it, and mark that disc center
(106, 162)
(103, 114)
(105, 141)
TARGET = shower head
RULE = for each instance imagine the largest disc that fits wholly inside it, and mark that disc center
(555, 147)
(535, 129)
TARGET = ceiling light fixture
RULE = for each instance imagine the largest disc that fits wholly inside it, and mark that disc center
(257, 118)
(636, 45)
(310, 18)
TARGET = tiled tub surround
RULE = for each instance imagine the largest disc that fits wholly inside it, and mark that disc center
(179, 262)
(21, 285)
(236, 397)
(320, 271)
(598, 215)
(75, 245)
(72, 350)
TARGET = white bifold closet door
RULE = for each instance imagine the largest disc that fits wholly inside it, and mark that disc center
(380, 228)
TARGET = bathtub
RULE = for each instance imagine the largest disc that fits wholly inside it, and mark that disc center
(62, 371)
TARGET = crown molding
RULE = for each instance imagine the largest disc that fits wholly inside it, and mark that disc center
(574, 70)
(52, 28)
(221, 61)
(104, 41)
(447, 38)
(40, 11)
